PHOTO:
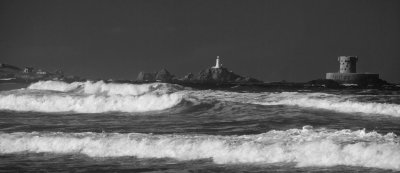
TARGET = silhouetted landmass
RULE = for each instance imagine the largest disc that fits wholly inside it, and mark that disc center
(222, 75)
(11, 73)
(8, 68)
(161, 76)
(209, 75)
(210, 78)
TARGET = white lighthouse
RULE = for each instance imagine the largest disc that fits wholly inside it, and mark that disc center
(217, 63)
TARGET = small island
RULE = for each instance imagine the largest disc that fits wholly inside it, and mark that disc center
(213, 75)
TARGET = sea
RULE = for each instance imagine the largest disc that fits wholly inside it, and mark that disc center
(94, 126)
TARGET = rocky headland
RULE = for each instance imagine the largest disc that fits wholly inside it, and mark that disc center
(206, 76)
(12, 73)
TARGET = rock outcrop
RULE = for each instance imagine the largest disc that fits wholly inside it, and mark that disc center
(188, 77)
(8, 71)
(161, 76)
(221, 75)
(29, 74)
(209, 75)
(164, 76)
(146, 77)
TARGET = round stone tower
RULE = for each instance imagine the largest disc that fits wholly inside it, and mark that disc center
(348, 72)
(348, 64)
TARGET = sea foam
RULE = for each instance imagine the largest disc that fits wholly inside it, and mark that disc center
(305, 147)
(330, 102)
(90, 97)
(339, 103)
(98, 87)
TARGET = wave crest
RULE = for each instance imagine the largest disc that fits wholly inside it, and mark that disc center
(339, 103)
(91, 97)
(306, 147)
(330, 102)
(88, 104)
(101, 87)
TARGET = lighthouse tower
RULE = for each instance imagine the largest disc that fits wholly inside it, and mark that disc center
(217, 63)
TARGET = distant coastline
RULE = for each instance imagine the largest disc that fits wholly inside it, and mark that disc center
(209, 78)
(12, 73)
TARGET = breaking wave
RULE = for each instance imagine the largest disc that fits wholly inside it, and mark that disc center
(339, 103)
(101, 87)
(87, 104)
(91, 97)
(305, 147)
(97, 97)
(330, 102)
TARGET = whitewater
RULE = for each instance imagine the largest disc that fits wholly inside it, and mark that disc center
(168, 127)
(89, 97)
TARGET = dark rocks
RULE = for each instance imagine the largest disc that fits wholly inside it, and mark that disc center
(217, 75)
(251, 80)
(29, 74)
(222, 75)
(188, 77)
(7, 67)
(374, 82)
(8, 71)
(161, 76)
(146, 77)
(209, 75)
(323, 83)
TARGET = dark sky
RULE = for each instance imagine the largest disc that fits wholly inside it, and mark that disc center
(271, 40)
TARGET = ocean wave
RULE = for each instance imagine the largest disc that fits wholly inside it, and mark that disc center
(305, 147)
(95, 97)
(339, 103)
(330, 102)
(88, 104)
(101, 87)
(91, 97)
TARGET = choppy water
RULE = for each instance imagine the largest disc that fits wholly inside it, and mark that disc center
(94, 126)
